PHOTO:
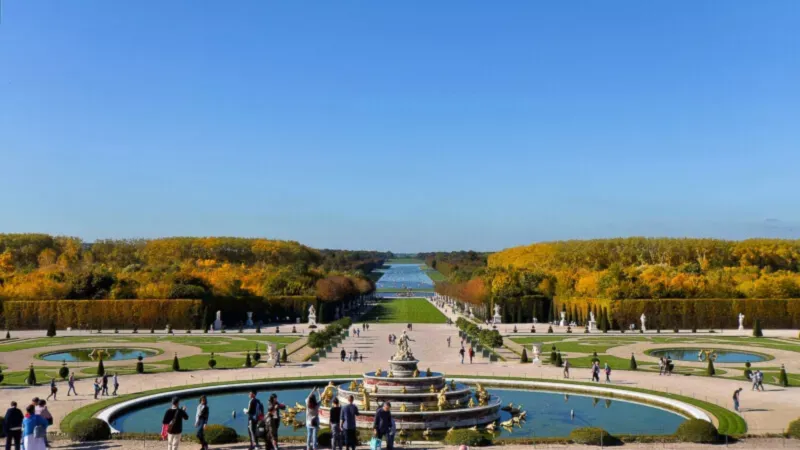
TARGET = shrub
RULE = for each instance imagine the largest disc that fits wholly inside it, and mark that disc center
(90, 430)
(8, 334)
(559, 361)
(176, 366)
(550, 329)
(220, 434)
(633, 365)
(152, 330)
(697, 431)
(51, 329)
(794, 429)
(470, 438)
(783, 380)
(139, 365)
(594, 357)
(284, 356)
(710, 368)
(592, 436)
(116, 330)
(256, 356)
(757, 329)
(258, 328)
(101, 369)
(2, 377)
(212, 362)
(524, 357)
(135, 329)
(553, 356)
(63, 372)
(247, 361)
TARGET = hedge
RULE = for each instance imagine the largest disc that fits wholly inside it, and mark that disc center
(98, 314)
(90, 430)
(696, 312)
(220, 434)
(592, 436)
(794, 429)
(470, 438)
(697, 431)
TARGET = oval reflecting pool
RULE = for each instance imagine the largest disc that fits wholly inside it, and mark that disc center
(91, 354)
(696, 355)
(550, 414)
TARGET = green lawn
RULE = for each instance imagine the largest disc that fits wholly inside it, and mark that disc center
(231, 342)
(434, 274)
(405, 310)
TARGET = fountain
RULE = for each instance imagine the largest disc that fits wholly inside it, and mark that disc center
(420, 401)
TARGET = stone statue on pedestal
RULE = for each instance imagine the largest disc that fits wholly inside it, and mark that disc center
(312, 316)
(643, 318)
(741, 322)
(218, 321)
(249, 322)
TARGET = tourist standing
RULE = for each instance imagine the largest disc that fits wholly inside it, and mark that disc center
(173, 420)
(390, 435)
(596, 371)
(12, 426)
(116, 383)
(448, 341)
(105, 385)
(274, 416)
(96, 388)
(312, 420)
(343, 354)
(200, 422)
(42, 410)
(34, 430)
(53, 389)
(355, 355)
(349, 413)
(71, 384)
(736, 399)
(608, 373)
(471, 354)
(337, 440)
(461, 352)
(566, 368)
(383, 421)
(254, 410)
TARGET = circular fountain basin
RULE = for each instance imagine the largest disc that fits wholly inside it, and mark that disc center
(548, 413)
(723, 355)
(110, 354)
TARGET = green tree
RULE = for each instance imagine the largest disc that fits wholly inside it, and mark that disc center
(31, 376)
(247, 361)
(139, 365)
(524, 357)
(783, 379)
(284, 356)
(51, 329)
(63, 372)
(559, 361)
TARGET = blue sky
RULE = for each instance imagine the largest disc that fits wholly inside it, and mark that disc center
(406, 126)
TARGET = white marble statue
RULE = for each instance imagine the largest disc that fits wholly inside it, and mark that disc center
(471, 314)
(642, 319)
(741, 322)
(249, 322)
(497, 317)
(336, 316)
(591, 316)
(312, 316)
(563, 322)
(537, 350)
(218, 321)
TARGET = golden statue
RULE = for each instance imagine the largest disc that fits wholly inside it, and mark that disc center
(365, 394)
(483, 396)
(471, 403)
(374, 388)
(391, 374)
(404, 390)
(327, 395)
(379, 373)
(452, 385)
(432, 389)
(422, 407)
(442, 403)
(353, 386)
(403, 407)
(416, 373)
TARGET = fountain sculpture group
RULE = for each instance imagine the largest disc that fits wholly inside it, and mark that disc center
(419, 401)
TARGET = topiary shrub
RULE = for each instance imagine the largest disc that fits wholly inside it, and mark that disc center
(594, 357)
(559, 361)
(51, 329)
(256, 356)
(220, 434)
(139, 365)
(2, 377)
(63, 372)
(176, 366)
(794, 429)
(470, 438)
(592, 436)
(633, 365)
(697, 431)
(90, 430)
(101, 369)
(710, 368)
(783, 380)
(757, 329)
(212, 362)
(550, 329)
(284, 356)
(8, 334)
(258, 328)
(524, 357)
(247, 361)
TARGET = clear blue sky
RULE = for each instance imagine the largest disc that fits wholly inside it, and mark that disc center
(407, 125)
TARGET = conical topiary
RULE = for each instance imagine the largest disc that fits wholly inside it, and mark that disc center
(176, 366)
(101, 369)
(524, 357)
(247, 361)
(284, 356)
(31, 376)
(594, 357)
(783, 380)
(211, 361)
(553, 355)
(63, 372)
(1, 375)
(710, 369)
(633, 365)
(51, 329)
(139, 365)
(559, 361)
(757, 329)
(8, 334)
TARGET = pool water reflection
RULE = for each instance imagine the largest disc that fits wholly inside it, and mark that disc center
(399, 276)
(109, 354)
(723, 356)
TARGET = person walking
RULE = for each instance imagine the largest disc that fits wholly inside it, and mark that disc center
(254, 411)
(105, 385)
(116, 384)
(355, 355)
(735, 402)
(461, 352)
(608, 373)
(661, 365)
(760, 379)
(337, 440)
(349, 413)
(596, 371)
(41, 409)
(471, 354)
(312, 419)
(566, 368)
(390, 435)
(200, 422)
(53, 389)
(274, 416)
(448, 341)
(755, 381)
(383, 421)
(12, 426)
(343, 354)
(173, 421)
(96, 388)
(71, 384)
(34, 430)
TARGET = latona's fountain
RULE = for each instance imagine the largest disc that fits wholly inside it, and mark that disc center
(419, 400)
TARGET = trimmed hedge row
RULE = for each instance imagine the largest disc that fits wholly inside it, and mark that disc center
(39, 314)
(321, 339)
(691, 313)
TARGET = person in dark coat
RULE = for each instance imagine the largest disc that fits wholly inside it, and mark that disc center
(383, 421)
(349, 413)
(12, 426)
(173, 419)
